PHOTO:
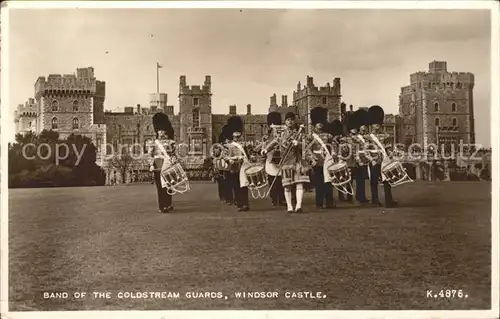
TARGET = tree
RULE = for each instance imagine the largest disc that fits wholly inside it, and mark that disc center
(122, 163)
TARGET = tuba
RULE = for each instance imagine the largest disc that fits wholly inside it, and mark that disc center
(277, 130)
(219, 153)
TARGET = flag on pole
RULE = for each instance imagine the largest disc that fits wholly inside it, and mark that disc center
(158, 65)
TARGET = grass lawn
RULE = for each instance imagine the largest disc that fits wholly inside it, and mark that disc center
(112, 239)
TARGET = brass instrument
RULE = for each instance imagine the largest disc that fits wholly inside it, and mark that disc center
(277, 130)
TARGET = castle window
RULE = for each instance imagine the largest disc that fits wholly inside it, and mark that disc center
(196, 118)
(55, 106)
(453, 107)
(436, 107)
(454, 121)
(54, 123)
(436, 121)
(75, 123)
(75, 106)
(324, 99)
(195, 101)
(459, 85)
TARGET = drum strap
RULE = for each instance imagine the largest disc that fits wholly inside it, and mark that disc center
(162, 149)
(361, 138)
(238, 145)
(382, 148)
(320, 141)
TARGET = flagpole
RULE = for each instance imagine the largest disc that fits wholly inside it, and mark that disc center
(157, 78)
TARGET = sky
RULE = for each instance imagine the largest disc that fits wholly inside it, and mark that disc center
(250, 53)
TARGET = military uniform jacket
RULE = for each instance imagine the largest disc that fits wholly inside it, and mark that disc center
(159, 159)
(383, 138)
(316, 149)
(294, 156)
(235, 151)
(273, 155)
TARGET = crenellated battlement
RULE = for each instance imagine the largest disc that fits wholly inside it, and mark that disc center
(83, 82)
(439, 75)
(28, 109)
(185, 89)
(330, 89)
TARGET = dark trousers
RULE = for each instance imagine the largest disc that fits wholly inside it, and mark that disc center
(240, 193)
(375, 172)
(360, 176)
(164, 199)
(324, 191)
(227, 187)
(220, 187)
(277, 192)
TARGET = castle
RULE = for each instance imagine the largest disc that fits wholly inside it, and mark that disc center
(437, 107)
(75, 104)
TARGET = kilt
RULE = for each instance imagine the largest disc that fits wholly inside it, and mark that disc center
(293, 174)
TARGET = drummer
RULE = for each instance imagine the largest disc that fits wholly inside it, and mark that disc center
(221, 168)
(162, 153)
(273, 159)
(320, 155)
(376, 119)
(237, 157)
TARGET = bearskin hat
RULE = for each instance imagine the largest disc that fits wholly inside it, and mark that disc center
(274, 118)
(223, 134)
(362, 117)
(290, 115)
(161, 122)
(376, 115)
(351, 121)
(336, 128)
(319, 115)
(235, 123)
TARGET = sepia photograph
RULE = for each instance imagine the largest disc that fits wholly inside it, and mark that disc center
(327, 157)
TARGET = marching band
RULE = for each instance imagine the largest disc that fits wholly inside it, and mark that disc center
(333, 156)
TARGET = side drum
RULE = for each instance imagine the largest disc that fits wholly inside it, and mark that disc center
(395, 174)
(257, 180)
(340, 177)
(176, 179)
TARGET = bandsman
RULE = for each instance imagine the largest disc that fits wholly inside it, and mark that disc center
(238, 161)
(362, 162)
(319, 148)
(376, 118)
(162, 154)
(294, 168)
(221, 167)
(273, 159)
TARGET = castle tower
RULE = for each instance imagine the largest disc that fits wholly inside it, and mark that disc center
(26, 117)
(311, 96)
(72, 104)
(437, 107)
(195, 110)
(158, 102)
(273, 105)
